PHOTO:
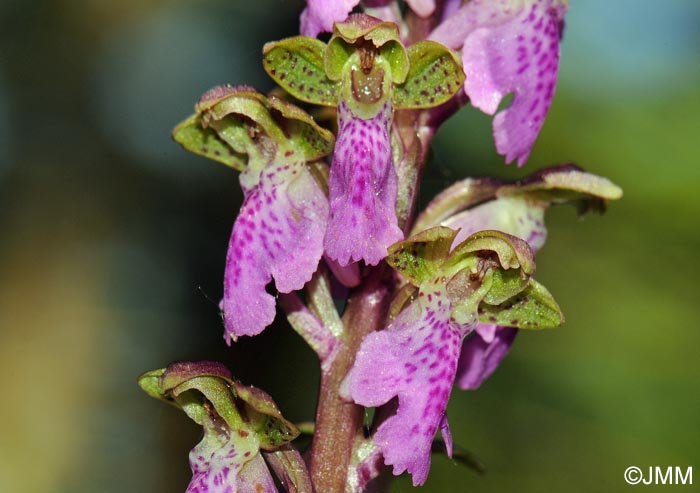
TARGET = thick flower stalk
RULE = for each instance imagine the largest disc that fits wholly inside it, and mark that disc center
(399, 305)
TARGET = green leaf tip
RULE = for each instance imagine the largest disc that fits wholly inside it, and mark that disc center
(150, 383)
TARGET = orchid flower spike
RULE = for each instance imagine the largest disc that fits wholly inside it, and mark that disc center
(366, 73)
(509, 46)
(279, 230)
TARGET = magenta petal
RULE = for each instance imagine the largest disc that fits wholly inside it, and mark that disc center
(509, 49)
(415, 358)
(319, 15)
(278, 234)
(362, 190)
(446, 435)
(479, 359)
(520, 56)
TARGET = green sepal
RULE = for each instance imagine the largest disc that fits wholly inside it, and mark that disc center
(420, 257)
(565, 183)
(504, 285)
(204, 141)
(307, 137)
(194, 387)
(434, 76)
(150, 383)
(297, 65)
(243, 128)
(265, 419)
(294, 131)
(395, 53)
(336, 55)
(216, 391)
(532, 308)
(512, 252)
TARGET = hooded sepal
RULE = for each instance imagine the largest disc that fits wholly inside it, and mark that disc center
(517, 208)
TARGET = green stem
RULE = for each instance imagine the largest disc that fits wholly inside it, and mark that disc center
(339, 423)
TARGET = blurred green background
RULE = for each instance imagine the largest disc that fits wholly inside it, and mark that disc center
(113, 242)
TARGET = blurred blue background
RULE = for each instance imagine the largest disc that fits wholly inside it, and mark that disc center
(113, 242)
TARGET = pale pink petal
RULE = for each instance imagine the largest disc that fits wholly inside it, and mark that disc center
(486, 331)
(415, 358)
(423, 8)
(278, 234)
(516, 216)
(319, 15)
(479, 359)
(362, 190)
